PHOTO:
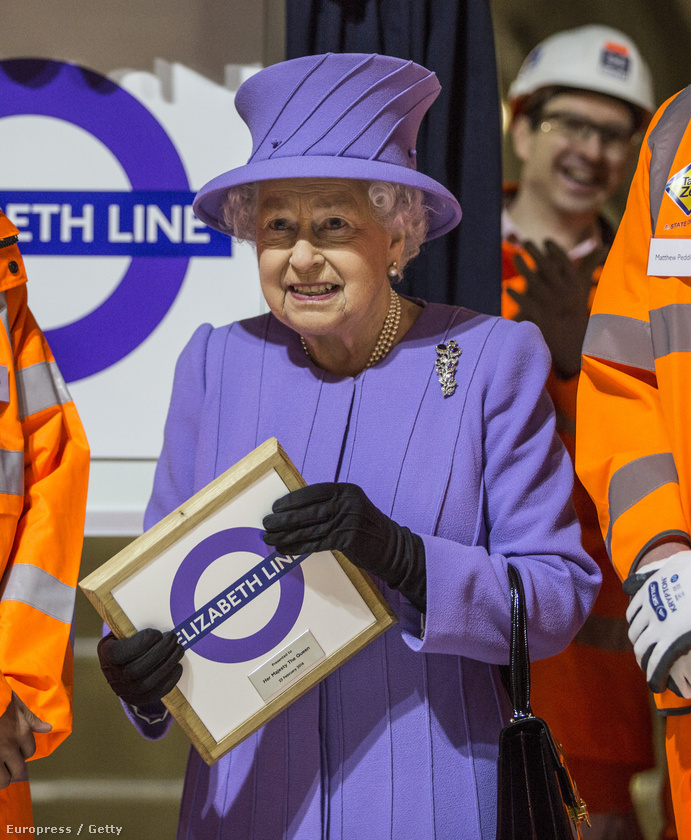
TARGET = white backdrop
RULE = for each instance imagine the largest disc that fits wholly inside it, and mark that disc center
(123, 407)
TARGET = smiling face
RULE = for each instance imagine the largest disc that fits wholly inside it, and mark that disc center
(323, 260)
(574, 175)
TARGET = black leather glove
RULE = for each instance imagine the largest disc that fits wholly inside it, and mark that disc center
(142, 668)
(332, 516)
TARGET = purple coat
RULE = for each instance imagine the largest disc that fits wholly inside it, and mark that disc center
(401, 741)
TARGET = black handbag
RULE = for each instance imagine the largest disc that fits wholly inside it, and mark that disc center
(537, 797)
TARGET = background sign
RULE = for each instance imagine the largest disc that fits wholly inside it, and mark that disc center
(99, 175)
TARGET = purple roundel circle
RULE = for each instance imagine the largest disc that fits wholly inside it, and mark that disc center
(71, 93)
(244, 649)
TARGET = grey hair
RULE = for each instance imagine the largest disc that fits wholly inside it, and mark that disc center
(395, 207)
(239, 211)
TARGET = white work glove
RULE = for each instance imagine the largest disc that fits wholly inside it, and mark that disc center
(659, 617)
(679, 680)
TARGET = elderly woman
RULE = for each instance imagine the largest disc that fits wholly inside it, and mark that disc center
(428, 444)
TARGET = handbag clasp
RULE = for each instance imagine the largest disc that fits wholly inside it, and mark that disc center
(579, 812)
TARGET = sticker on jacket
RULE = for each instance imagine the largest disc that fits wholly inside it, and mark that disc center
(679, 189)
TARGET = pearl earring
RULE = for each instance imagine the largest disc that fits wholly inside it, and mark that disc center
(392, 271)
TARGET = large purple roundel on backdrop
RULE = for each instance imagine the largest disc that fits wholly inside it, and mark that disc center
(149, 159)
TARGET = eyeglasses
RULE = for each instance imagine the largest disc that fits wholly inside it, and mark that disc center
(613, 138)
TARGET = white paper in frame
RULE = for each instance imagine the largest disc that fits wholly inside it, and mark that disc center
(259, 628)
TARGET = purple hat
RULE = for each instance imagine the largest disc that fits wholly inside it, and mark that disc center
(338, 115)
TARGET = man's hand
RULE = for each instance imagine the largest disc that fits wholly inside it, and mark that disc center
(17, 743)
(556, 299)
(659, 617)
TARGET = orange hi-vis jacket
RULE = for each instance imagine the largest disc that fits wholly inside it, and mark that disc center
(595, 686)
(634, 397)
(44, 465)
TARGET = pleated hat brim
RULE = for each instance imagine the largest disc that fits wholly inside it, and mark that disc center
(444, 210)
(339, 115)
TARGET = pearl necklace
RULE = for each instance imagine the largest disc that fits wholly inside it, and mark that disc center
(386, 336)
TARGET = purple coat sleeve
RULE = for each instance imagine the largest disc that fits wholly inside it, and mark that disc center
(527, 519)
(174, 478)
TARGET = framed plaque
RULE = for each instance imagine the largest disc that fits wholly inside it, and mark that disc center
(259, 628)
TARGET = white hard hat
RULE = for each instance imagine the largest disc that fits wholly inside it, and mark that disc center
(594, 58)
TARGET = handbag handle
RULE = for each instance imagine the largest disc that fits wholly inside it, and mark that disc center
(519, 663)
(517, 681)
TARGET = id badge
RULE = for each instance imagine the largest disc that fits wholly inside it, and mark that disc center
(669, 258)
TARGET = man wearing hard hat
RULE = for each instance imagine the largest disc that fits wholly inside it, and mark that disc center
(579, 104)
(634, 423)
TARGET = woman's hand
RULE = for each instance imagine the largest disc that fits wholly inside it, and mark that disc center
(332, 516)
(142, 668)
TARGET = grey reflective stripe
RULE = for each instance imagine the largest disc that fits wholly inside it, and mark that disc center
(565, 423)
(626, 341)
(4, 317)
(671, 329)
(39, 590)
(12, 472)
(663, 142)
(636, 480)
(40, 386)
(605, 632)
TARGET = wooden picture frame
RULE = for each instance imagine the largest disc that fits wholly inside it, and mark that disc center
(335, 611)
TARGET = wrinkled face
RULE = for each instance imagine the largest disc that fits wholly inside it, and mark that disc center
(322, 257)
(572, 160)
